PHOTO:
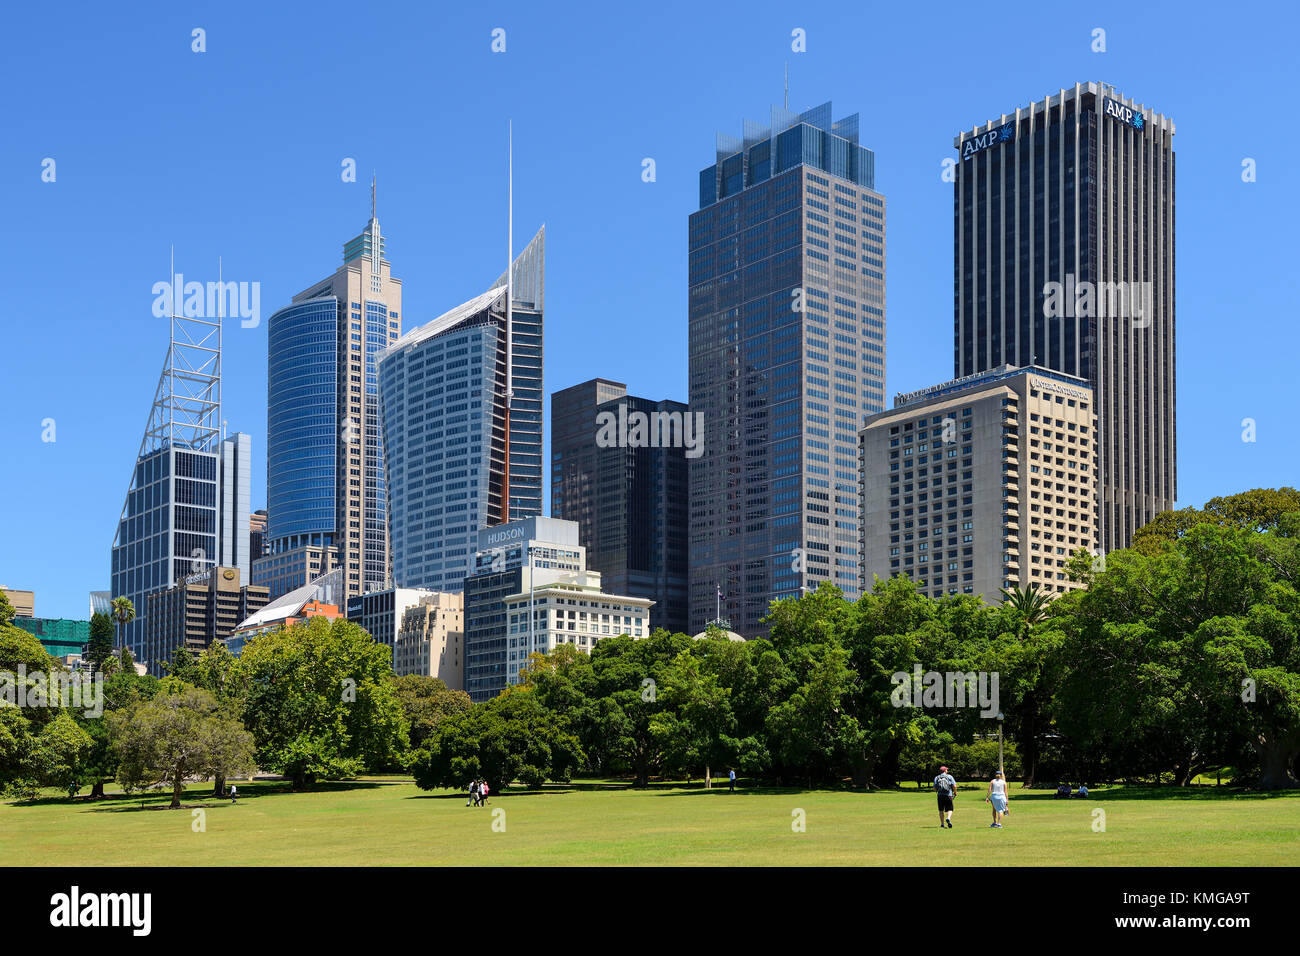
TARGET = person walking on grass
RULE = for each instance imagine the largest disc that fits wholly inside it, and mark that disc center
(997, 798)
(234, 793)
(484, 790)
(473, 794)
(946, 787)
(733, 781)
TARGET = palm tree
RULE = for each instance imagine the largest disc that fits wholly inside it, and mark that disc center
(124, 613)
(1029, 604)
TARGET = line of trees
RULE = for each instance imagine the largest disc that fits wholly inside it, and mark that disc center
(1182, 655)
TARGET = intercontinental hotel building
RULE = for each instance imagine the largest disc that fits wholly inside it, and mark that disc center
(981, 483)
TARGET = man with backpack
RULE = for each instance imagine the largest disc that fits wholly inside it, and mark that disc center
(946, 787)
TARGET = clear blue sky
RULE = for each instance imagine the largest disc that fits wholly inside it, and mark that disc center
(236, 152)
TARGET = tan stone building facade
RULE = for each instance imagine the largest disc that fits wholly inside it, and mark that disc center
(431, 640)
(981, 483)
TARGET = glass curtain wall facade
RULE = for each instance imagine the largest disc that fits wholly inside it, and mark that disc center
(1077, 190)
(787, 356)
(326, 483)
(630, 503)
(442, 389)
(167, 531)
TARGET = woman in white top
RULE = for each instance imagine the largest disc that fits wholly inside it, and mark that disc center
(997, 797)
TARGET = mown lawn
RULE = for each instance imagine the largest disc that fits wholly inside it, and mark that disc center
(387, 821)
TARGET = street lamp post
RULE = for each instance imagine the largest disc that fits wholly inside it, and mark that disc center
(1000, 767)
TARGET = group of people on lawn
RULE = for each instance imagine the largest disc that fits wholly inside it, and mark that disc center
(996, 796)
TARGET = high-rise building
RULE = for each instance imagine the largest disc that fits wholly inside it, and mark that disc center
(233, 537)
(1063, 215)
(431, 639)
(204, 608)
(325, 461)
(189, 487)
(629, 494)
(787, 356)
(982, 483)
(443, 388)
(256, 534)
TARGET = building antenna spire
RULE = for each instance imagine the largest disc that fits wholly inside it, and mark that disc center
(510, 354)
(374, 178)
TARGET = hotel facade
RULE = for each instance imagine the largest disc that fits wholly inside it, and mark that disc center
(982, 483)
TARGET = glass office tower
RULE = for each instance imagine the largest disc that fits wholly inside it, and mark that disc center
(787, 356)
(443, 391)
(326, 495)
(186, 507)
(1063, 233)
(630, 503)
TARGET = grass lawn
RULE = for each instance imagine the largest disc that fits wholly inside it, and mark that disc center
(387, 821)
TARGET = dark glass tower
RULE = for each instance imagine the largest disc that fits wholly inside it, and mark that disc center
(787, 356)
(629, 500)
(1064, 257)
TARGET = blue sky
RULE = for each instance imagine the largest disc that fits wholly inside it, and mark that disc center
(237, 152)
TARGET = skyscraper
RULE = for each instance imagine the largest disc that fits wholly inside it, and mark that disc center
(324, 453)
(443, 388)
(787, 355)
(629, 498)
(1063, 216)
(188, 495)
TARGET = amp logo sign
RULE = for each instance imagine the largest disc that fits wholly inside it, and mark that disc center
(1125, 114)
(976, 144)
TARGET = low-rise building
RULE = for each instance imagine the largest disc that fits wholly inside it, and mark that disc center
(59, 636)
(23, 602)
(320, 598)
(431, 639)
(204, 608)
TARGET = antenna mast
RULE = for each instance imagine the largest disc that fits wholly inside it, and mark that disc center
(510, 356)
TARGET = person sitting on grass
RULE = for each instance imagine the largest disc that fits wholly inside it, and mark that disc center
(1062, 790)
(1083, 790)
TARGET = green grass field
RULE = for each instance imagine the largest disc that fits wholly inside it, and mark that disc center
(387, 821)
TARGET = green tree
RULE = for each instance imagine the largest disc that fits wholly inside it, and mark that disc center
(177, 736)
(63, 752)
(1028, 607)
(1173, 653)
(426, 702)
(122, 691)
(511, 737)
(101, 640)
(321, 701)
